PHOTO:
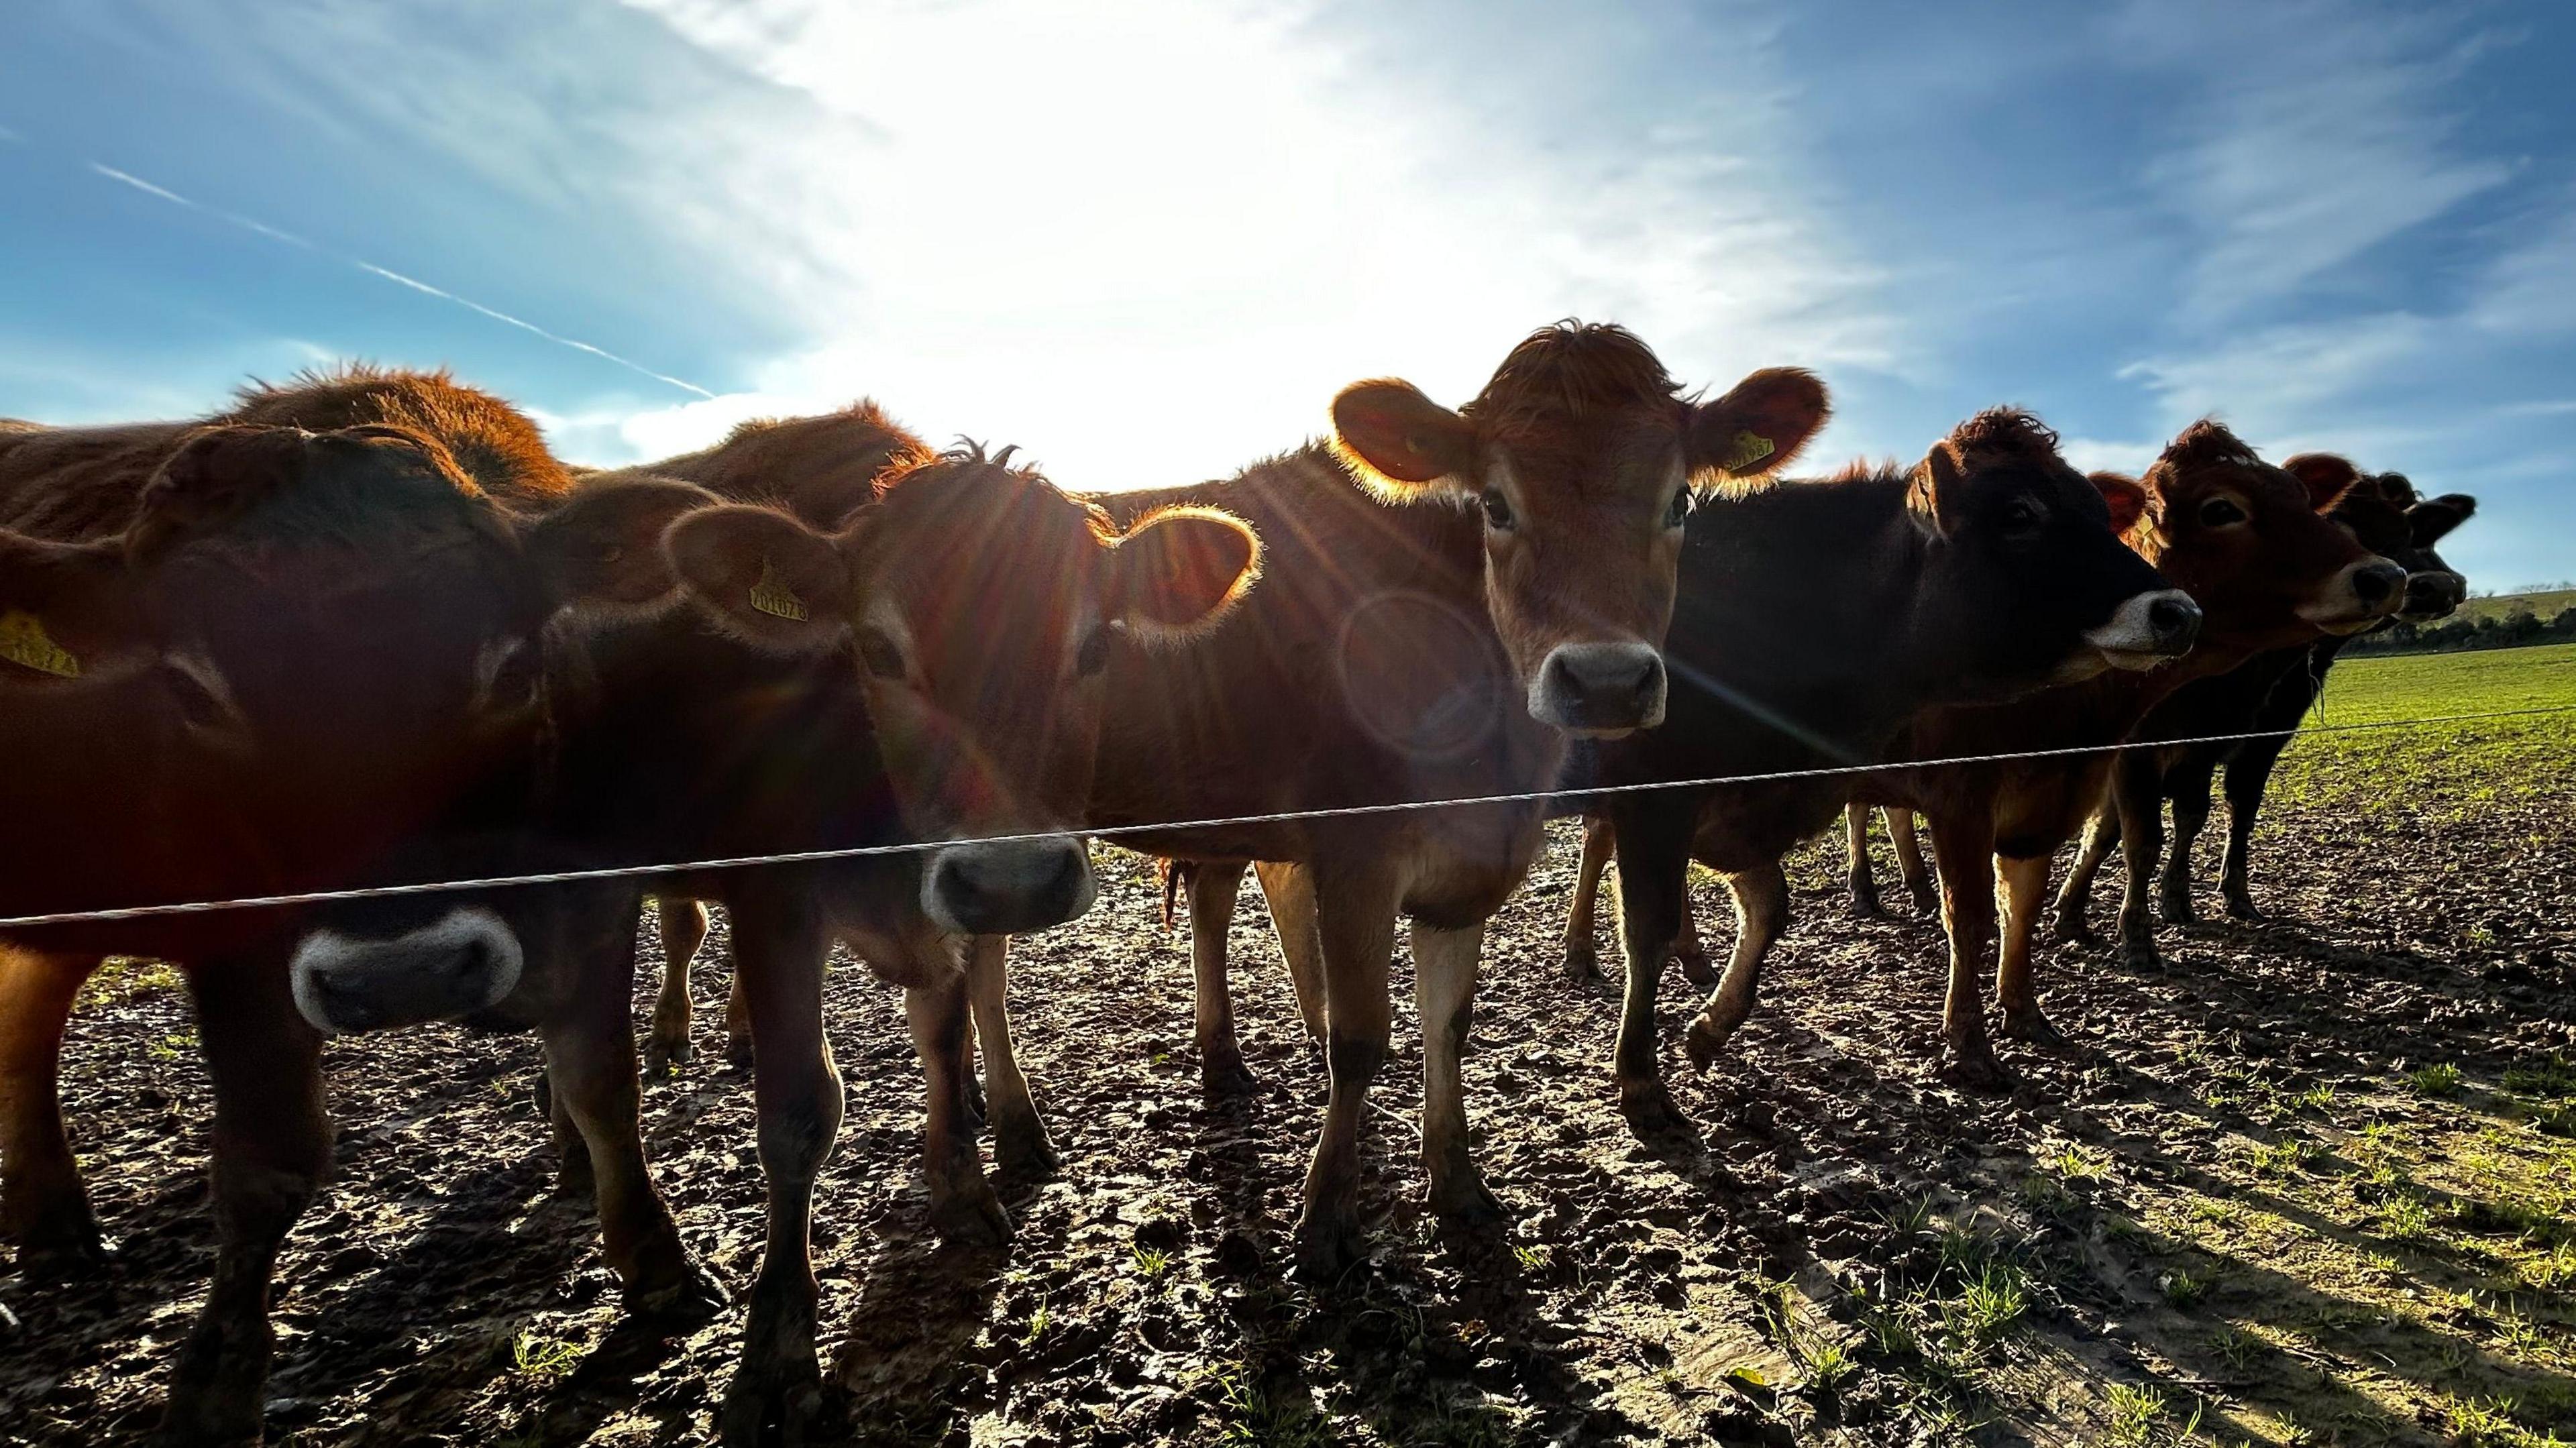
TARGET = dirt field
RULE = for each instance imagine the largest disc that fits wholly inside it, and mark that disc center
(2311, 1184)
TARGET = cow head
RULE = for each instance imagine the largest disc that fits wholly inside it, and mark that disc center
(1581, 459)
(2384, 511)
(2253, 544)
(2026, 580)
(328, 648)
(977, 605)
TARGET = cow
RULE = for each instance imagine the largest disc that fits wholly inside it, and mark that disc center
(930, 673)
(2267, 695)
(1815, 618)
(2251, 544)
(1452, 597)
(292, 662)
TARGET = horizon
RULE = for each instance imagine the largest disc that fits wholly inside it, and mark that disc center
(2343, 227)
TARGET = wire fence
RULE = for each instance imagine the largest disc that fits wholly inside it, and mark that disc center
(1551, 796)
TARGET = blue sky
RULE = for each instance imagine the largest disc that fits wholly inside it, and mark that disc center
(1148, 241)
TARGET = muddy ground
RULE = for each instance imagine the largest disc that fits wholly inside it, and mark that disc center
(2309, 1185)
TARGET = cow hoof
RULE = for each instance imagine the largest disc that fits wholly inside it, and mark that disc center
(203, 1423)
(1648, 1105)
(971, 1215)
(2141, 956)
(576, 1180)
(770, 1403)
(1927, 903)
(2072, 930)
(2031, 1026)
(738, 1051)
(1329, 1245)
(1022, 1150)
(68, 1249)
(1461, 1199)
(2177, 910)
(1867, 907)
(1706, 1038)
(1975, 1070)
(1582, 962)
(544, 1095)
(690, 1298)
(1697, 968)
(663, 1055)
(2243, 907)
(1222, 1077)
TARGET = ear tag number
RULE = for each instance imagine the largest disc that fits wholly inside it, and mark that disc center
(1748, 449)
(775, 598)
(23, 641)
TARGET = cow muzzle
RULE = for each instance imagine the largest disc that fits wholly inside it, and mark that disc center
(1599, 690)
(1008, 889)
(2356, 598)
(465, 961)
(2148, 629)
(2433, 594)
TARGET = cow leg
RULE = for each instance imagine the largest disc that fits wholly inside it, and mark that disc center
(684, 929)
(590, 1057)
(2025, 885)
(739, 1049)
(1355, 914)
(1909, 861)
(1213, 888)
(272, 1147)
(779, 950)
(2248, 773)
(1582, 959)
(2188, 783)
(1688, 953)
(44, 1207)
(963, 1205)
(575, 1178)
(2068, 924)
(1963, 849)
(1020, 1144)
(1289, 891)
(1761, 913)
(1444, 988)
(1862, 879)
(2137, 792)
(1654, 839)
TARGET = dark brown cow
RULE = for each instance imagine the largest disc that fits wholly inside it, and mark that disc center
(931, 670)
(299, 662)
(2249, 543)
(1450, 596)
(1815, 619)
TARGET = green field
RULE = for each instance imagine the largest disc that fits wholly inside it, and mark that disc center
(2546, 605)
(2439, 770)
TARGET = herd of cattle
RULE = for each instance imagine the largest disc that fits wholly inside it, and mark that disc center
(364, 630)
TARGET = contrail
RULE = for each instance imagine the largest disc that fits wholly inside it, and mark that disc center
(291, 239)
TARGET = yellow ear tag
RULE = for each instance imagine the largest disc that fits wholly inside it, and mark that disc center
(1747, 450)
(23, 641)
(775, 598)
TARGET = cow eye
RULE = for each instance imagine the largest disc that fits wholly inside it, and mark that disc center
(2220, 512)
(2021, 515)
(199, 704)
(514, 680)
(1675, 515)
(1498, 510)
(880, 655)
(1093, 656)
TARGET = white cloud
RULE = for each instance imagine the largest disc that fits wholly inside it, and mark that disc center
(2311, 134)
(1150, 241)
(2092, 455)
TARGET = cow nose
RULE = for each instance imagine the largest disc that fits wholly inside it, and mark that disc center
(2434, 594)
(1008, 888)
(1600, 688)
(2377, 584)
(465, 961)
(2174, 622)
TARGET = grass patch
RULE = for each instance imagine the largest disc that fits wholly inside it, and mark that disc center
(2441, 1080)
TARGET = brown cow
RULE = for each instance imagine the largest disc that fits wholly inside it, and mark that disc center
(1451, 595)
(2249, 542)
(933, 670)
(234, 734)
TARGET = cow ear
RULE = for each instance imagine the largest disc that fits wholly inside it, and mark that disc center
(1180, 571)
(1400, 442)
(1937, 492)
(216, 475)
(68, 611)
(1760, 424)
(770, 580)
(2326, 477)
(2128, 500)
(2430, 521)
(602, 544)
